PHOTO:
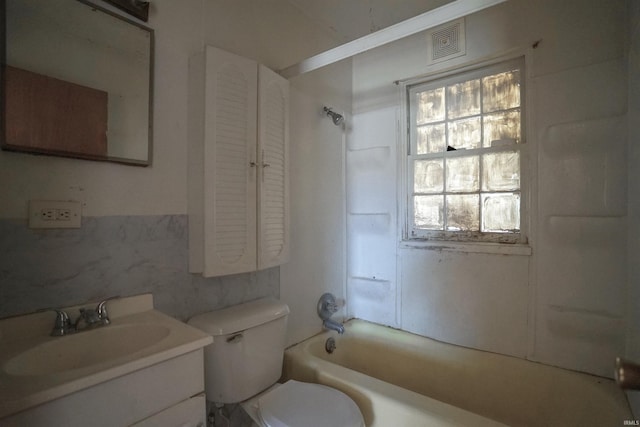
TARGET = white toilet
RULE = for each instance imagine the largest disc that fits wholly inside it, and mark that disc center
(244, 364)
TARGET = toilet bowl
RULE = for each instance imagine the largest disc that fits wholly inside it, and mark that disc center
(244, 363)
(297, 403)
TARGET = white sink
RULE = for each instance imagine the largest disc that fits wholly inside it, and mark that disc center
(36, 368)
(84, 349)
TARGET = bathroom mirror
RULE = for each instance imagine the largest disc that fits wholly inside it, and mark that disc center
(77, 82)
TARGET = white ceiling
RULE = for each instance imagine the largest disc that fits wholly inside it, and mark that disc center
(348, 20)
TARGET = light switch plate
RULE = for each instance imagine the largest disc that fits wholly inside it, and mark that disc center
(54, 214)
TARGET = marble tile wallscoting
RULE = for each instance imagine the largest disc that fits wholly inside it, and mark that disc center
(115, 255)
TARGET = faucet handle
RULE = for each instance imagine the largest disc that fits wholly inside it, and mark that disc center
(62, 325)
(101, 310)
(89, 316)
(331, 306)
(327, 306)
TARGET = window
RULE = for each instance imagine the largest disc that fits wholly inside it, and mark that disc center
(464, 156)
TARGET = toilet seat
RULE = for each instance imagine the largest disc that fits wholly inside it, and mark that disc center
(295, 404)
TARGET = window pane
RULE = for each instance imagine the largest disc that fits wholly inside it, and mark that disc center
(431, 139)
(464, 163)
(428, 176)
(463, 99)
(465, 133)
(501, 127)
(501, 171)
(501, 212)
(501, 91)
(462, 212)
(463, 174)
(430, 106)
(428, 212)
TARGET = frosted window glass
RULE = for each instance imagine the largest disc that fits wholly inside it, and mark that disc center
(462, 212)
(501, 91)
(428, 176)
(431, 139)
(464, 163)
(501, 126)
(465, 133)
(500, 212)
(430, 105)
(463, 174)
(463, 99)
(501, 171)
(428, 212)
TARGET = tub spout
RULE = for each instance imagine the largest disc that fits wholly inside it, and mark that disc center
(334, 326)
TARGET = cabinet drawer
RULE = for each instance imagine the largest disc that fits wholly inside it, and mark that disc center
(188, 413)
(121, 401)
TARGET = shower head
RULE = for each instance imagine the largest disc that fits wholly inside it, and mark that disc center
(335, 117)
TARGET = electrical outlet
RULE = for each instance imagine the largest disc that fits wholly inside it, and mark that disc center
(54, 214)
(63, 214)
(47, 214)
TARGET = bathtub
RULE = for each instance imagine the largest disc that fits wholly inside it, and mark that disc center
(401, 379)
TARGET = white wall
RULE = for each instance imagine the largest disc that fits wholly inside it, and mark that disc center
(633, 302)
(564, 304)
(317, 263)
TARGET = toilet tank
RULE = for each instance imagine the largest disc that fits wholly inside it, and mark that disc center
(246, 355)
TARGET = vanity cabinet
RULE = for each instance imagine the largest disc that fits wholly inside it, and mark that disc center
(238, 165)
(170, 393)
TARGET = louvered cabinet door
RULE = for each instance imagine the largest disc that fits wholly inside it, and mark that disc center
(273, 171)
(230, 170)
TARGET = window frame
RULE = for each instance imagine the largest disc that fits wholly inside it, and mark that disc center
(406, 172)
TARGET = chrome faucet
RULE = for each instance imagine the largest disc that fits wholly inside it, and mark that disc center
(62, 325)
(101, 309)
(97, 317)
(92, 318)
(334, 326)
(327, 306)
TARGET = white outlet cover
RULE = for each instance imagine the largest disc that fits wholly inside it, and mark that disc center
(55, 214)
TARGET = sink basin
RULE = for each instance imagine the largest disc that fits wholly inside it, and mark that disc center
(36, 368)
(84, 349)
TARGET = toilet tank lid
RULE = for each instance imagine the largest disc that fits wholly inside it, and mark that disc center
(240, 317)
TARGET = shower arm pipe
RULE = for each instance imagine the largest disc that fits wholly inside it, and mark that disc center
(424, 21)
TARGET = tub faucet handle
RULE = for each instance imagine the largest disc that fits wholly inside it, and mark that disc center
(101, 310)
(332, 307)
(327, 306)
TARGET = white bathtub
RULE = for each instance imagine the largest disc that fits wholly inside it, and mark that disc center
(401, 379)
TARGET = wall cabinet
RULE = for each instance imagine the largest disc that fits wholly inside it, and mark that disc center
(238, 165)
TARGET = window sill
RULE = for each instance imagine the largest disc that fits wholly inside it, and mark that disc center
(469, 247)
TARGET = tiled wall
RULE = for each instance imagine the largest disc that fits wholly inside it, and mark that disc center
(115, 255)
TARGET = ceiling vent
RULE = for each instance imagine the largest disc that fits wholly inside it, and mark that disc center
(446, 42)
